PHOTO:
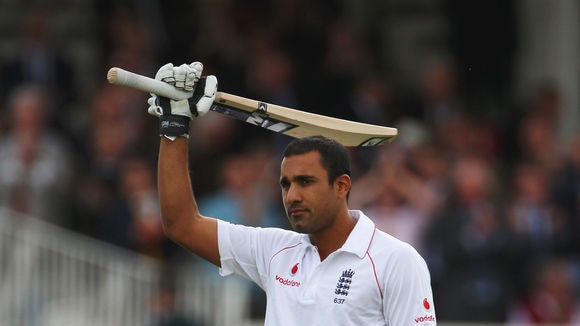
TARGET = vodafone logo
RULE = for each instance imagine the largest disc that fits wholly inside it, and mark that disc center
(428, 318)
(287, 282)
(294, 269)
(425, 318)
(426, 304)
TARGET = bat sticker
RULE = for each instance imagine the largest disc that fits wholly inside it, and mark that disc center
(375, 141)
(263, 107)
(258, 118)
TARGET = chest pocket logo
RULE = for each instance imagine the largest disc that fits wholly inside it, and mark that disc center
(344, 282)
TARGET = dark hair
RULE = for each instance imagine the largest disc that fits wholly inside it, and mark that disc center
(335, 158)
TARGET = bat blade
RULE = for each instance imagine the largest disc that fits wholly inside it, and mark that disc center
(298, 124)
(291, 122)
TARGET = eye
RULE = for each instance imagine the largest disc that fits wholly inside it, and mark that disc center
(284, 184)
(305, 181)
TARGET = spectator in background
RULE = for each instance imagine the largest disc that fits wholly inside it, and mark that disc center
(129, 41)
(551, 299)
(346, 60)
(36, 165)
(371, 100)
(525, 125)
(538, 142)
(437, 102)
(533, 219)
(132, 219)
(39, 62)
(111, 131)
(439, 106)
(468, 248)
(530, 129)
(565, 190)
(248, 192)
(400, 199)
(466, 135)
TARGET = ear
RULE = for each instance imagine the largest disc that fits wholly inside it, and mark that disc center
(342, 185)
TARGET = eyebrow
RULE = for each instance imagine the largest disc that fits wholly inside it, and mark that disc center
(301, 177)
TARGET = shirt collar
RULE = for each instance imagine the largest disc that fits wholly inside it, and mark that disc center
(359, 239)
(361, 236)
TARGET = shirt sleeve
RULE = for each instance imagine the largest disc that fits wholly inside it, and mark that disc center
(246, 251)
(408, 295)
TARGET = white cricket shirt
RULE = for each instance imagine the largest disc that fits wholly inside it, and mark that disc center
(374, 279)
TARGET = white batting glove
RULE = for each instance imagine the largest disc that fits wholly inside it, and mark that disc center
(175, 115)
(204, 94)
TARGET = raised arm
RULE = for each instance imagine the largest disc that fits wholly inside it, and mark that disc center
(181, 218)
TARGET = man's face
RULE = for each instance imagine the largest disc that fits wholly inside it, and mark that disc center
(310, 202)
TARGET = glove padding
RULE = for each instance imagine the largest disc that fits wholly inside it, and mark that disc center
(175, 115)
(187, 78)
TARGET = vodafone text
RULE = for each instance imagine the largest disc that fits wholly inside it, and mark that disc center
(424, 319)
(287, 282)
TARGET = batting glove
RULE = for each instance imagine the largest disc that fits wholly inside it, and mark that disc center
(174, 116)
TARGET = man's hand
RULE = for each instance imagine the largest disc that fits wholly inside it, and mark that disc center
(175, 115)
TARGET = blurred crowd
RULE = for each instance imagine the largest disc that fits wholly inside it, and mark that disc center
(489, 200)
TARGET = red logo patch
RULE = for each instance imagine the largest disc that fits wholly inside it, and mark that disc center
(426, 304)
(294, 269)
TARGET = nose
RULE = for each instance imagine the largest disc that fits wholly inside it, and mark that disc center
(292, 195)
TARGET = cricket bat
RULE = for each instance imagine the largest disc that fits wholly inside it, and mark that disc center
(276, 118)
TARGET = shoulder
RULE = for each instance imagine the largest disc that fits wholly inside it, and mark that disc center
(367, 239)
(383, 241)
(270, 237)
(393, 253)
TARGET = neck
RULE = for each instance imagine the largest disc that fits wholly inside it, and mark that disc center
(331, 239)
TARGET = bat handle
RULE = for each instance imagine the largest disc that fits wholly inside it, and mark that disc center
(118, 76)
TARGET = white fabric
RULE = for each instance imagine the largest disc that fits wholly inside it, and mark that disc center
(204, 103)
(389, 284)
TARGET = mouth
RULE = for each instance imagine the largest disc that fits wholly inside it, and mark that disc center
(296, 212)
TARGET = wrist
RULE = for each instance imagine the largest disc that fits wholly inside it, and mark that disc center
(172, 126)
